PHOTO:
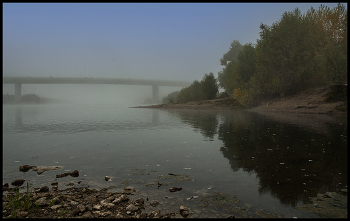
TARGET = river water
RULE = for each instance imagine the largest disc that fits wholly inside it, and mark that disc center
(272, 163)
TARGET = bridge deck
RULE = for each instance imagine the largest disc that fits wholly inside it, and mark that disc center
(66, 80)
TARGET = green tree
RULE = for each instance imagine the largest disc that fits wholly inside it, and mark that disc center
(232, 54)
(209, 86)
(286, 55)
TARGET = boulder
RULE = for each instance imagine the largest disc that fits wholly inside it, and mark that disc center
(18, 182)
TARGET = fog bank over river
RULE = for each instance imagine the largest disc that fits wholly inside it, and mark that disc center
(93, 93)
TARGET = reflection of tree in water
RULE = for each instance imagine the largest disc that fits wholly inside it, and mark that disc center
(292, 163)
(205, 122)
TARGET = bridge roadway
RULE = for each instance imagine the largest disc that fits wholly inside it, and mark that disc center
(18, 81)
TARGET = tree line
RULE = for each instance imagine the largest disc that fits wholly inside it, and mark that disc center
(206, 89)
(298, 52)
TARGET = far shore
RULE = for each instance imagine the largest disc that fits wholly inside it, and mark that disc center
(307, 102)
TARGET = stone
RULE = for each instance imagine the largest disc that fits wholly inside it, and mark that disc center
(184, 213)
(119, 216)
(43, 189)
(81, 208)
(55, 207)
(18, 182)
(97, 207)
(75, 173)
(175, 189)
(132, 208)
(117, 201)
(41, 201)
(54, 184)
(87, 215)
(124, 198)
(107, 178)
(73, 203)
(139, 202)
(183, 208)
(21, 214)
(6, 185)
(154, 203)
(25, 168)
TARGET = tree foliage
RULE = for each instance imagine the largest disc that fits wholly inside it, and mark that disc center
(206, 89)
(298, 52)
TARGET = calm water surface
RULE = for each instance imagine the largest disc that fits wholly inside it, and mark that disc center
(271, 163)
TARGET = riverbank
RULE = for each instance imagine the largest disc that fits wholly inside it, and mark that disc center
(83, 202)
(315, 101)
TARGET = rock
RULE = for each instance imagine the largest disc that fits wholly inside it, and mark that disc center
(97, 207)
(75, 173)
(21, 214)
(139, 202)
(54, 184)
(55, 207)
(119, 216)
(87, 215)
(81, 208)
(128, 190)
(56, 200)
(41, 170)
(41, 201)
(175, 189)
(43, 189)
(154, 203)
(18, 182)
(124, 198)
(6, 185)
(106, 204)
(25, 168)
(183, 208)
(117, 201)
(231, 217)
(132, 208)
(107, 178)
(185, 213)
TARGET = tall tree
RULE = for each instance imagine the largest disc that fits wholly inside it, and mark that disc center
(209, 86)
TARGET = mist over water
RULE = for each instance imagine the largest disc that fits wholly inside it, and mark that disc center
(124, 95)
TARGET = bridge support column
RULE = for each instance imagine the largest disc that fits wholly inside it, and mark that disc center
(155, 93)
(18, 92)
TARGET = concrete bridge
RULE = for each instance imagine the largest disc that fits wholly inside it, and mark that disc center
(18, 81)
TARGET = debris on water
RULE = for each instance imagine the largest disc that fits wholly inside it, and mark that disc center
(187, 168)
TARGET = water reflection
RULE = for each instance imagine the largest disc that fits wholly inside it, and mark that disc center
(33, 123)
(18, 117)
(292, 162)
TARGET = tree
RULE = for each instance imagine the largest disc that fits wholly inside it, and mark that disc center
(232, 54)
(209, 86)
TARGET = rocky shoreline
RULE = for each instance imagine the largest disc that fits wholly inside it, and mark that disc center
(84, 202)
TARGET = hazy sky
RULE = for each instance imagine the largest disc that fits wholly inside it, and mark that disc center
(177, 41)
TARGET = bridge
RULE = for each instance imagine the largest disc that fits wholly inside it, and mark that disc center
(18, 81)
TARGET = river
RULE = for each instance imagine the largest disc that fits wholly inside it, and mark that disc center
(272, 163)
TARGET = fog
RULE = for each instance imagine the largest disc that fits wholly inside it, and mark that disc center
(127, 95)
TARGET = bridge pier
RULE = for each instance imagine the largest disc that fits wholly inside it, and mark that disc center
(18, 93)
(155, 93)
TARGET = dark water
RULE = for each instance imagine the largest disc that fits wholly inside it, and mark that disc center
(272, 163)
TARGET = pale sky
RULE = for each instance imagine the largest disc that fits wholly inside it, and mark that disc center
(168, 41)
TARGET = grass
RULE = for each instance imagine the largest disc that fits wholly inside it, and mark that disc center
(16, 201)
